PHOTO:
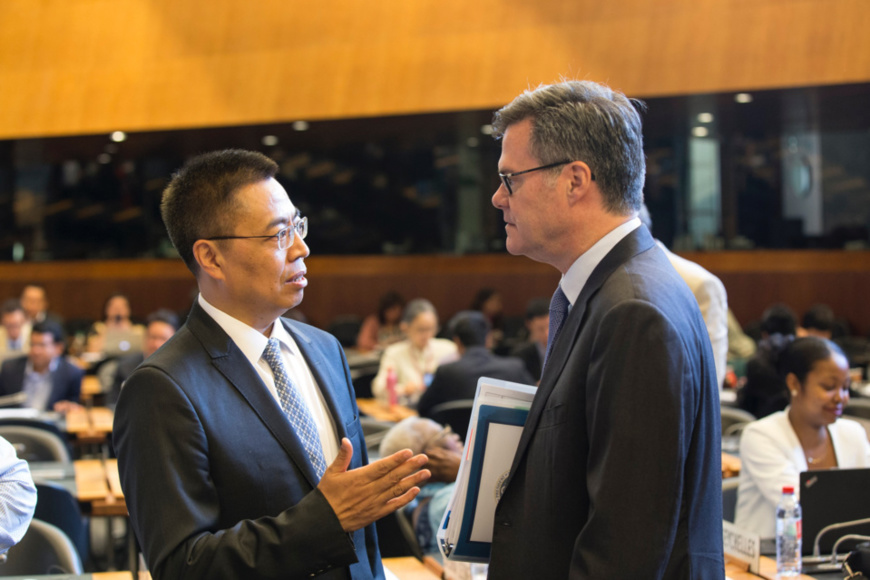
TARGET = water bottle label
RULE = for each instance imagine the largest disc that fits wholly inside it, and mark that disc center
(798, 533)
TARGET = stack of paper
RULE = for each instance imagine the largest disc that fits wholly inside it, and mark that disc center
(497, 419)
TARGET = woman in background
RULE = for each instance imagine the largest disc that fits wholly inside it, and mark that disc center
(378, 331)
(414, 359)
(809, 434)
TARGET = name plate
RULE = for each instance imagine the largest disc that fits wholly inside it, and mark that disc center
(742, 545)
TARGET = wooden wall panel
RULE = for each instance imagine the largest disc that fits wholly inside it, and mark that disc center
(91, 66)
(352, 285)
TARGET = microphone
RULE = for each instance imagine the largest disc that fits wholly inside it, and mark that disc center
(837, 526)
(858, 537)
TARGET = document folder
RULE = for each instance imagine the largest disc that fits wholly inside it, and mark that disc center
(497, 419)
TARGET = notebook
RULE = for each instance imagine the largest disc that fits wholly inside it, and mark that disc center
(829, 497)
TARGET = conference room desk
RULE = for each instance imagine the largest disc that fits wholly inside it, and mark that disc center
(383, 412)
(730, 466)
(89, 425)
(737, 571)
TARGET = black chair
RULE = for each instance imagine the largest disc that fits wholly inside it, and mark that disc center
(362, 385)
(374, 432)
(729, 498)
(345, 328)
(44, 549)
(57, 506)
(734, 420)
(34, 443)
(396, 539)
(457, 414)
(858, 408)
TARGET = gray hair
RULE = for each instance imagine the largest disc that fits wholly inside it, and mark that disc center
(416, 307)
(589, 122)
(411, 433)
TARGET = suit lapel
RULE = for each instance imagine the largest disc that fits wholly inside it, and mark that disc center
(232, 364)
(634, 243)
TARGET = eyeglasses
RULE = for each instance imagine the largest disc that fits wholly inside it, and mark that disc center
(285, 237)
(507, 177)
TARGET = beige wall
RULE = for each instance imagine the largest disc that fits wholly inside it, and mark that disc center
(91, 66)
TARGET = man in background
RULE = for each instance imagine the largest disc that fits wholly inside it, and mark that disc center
(712, 299)
(538, 324)
(14, 336)
(34, 301)
(239, 445)
(617, 472)
(471, 331)
(160, 326)
(47, 380)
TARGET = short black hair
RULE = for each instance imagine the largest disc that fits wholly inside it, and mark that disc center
(11, 305)
(163, 315)
(537, 307)
(820, 317)
(199, 200)
(779, 319)
(471, 328)
(49, 327)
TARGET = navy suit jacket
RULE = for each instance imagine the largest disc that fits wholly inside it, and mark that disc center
(458, 380)
(216, 480)
(66, 380)
(618, 470)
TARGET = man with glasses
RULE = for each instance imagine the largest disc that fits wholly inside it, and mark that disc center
(617, 472)
(239, 445)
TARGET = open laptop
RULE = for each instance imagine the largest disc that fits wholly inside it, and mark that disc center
(829, 497)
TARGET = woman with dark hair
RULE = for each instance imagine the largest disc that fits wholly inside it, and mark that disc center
(809, 434)
(378, 331)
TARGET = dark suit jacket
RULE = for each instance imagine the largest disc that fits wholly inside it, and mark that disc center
(617, 473)
(458, 380)
(217, 483)
(66, 380)
(531, 357)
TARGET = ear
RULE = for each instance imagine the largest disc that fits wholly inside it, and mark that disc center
(209, 257)
(579, 181)
(792, 382)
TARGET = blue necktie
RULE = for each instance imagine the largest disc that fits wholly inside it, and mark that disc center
(558, 313)
(294, 407)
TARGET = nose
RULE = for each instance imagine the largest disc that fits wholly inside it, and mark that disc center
(298, 249)
(500, 197)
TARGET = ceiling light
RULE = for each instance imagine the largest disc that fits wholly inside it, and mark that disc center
(300, 125)
(118, 136)
(700, 132)
(743, 98)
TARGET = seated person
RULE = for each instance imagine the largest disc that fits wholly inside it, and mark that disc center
(818, 321)
(378, 331)
(444, 449)
(538, 324)
(47, 379)
(14, 332)
(17, 496)
(116, 334)
(159, 327)
(458, 380)
(808, 435)
(414, 359)
(489, 302)
(765, 391)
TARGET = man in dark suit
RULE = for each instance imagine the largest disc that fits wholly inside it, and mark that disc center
(458, 380)
(48, 381)
(617, 472)
(239, 445)
(538, 325)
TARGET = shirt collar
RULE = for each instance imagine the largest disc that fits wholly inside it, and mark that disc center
(578, 274)
(52, 366)
(250, 341)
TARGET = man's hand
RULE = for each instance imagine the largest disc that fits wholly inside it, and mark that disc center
(66, 406)
(366, 494)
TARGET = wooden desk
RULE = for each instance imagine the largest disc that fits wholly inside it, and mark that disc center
(90, 426)
(409, 569)
(382, 412)
(91, 387)
(730, 466)
(737, 570)
(98, 484)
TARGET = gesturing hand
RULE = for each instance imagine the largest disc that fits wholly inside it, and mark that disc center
(366, 494)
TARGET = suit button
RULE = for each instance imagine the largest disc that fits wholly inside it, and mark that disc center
(506, 524)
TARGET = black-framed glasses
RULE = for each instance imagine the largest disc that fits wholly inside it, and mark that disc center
(285, 237)
(507, 177)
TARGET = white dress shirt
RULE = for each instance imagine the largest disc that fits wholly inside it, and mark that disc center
(252, 344)
(578, 274)
(17, 496)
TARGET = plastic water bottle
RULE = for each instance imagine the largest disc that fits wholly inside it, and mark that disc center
(392, 396)
(788, 535)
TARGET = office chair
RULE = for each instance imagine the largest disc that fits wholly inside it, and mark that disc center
(396, 538)
(374, 432)
(55, 505)
(34, 443)
(457, 414)
(44, 549)
(858, 408)
(733, 420)
(729, 498)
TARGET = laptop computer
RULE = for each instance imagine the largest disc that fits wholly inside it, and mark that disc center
(829, 497)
